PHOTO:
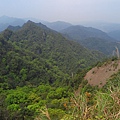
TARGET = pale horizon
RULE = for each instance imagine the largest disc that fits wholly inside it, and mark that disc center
(72, 11)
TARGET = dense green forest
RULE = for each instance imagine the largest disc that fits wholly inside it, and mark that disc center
(40, 73)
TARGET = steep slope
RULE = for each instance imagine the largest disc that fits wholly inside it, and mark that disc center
(19, 67)
(99, 75)
(52, 46)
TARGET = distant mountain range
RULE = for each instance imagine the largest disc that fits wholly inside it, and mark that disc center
(115, 34)
(104, 26)
(112, 29)
(58, 25)
(91, 38)
(80, 33)
(5, 21)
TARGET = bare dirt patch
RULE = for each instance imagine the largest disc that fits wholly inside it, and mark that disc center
(98, 76)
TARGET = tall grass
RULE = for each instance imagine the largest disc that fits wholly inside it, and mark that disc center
(99, 105)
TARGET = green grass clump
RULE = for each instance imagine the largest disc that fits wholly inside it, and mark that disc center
(101, 104)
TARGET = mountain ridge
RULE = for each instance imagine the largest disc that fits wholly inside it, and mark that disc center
(49, 38)
(85, 32)
(91, 38)
(115, 34)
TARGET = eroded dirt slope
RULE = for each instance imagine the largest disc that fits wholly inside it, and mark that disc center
(98, 76)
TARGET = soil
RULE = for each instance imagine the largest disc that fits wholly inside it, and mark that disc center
(98, 76)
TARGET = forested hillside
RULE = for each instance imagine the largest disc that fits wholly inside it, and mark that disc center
(80, 33)
(106, 47)
(40, 73)
(20, 67)
(92, 38)
(52, 46)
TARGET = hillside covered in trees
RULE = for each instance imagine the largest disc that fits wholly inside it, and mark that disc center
(40, 72)
(91, 38)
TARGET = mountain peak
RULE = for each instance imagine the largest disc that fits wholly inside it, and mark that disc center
(29, 21)
(29, 24)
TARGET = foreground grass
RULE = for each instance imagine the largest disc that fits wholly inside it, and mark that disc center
(101, 104)
(95, 105)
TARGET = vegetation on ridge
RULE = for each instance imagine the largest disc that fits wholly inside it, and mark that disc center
(91, 38)
(40, 71)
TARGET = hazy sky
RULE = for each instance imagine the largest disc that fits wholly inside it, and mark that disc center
(66, 10)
